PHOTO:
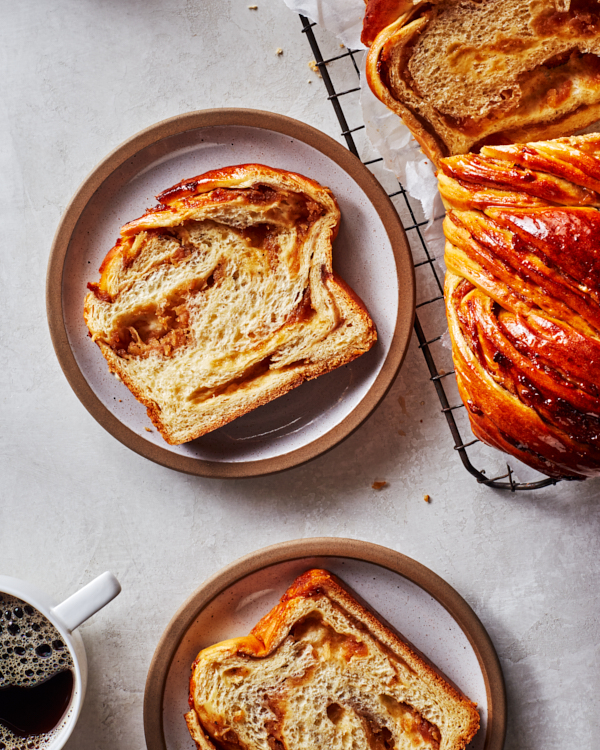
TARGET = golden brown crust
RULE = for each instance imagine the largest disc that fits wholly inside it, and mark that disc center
(295, 377)
(399, 33)
(378, 15)
(196, 731)
(296, 204)
(229, 177)
(294, 380)
(271, 631)
(546, 95)
(523, 299)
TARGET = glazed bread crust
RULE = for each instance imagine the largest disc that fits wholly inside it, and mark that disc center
(223, 298)
(465, 73)
(523, 298)
(321, 670)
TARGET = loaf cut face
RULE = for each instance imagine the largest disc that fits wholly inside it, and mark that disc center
(463, 73)
(523, 298)
(321, 671)
(223, 298)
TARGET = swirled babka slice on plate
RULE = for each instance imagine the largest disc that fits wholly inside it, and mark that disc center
(523, 298)
(463, 73)
(223, 298)
(322, 671)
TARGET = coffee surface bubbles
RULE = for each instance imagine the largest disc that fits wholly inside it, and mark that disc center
(32, 652)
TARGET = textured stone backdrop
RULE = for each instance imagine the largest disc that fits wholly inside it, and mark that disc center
(78, 77)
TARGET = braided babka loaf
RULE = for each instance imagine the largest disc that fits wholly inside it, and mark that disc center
(523, 298)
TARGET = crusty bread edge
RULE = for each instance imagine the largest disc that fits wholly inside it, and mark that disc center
(469, 371)
(165, 214)
(433, 148)
(347, 596)
(274, 627)
(432, 144)
(379, 14)
(161, 216)
(296, 374)
(316, 582)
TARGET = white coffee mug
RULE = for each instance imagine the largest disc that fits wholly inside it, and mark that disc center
(66, 617)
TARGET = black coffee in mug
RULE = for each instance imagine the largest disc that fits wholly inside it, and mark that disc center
(36, 677)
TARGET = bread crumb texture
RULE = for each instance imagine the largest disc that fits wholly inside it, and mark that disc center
(223, 298)
(320, 671)
(460, 72)
(379, 485)
(315, 68)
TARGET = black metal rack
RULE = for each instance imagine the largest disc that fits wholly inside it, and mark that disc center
(424, 260)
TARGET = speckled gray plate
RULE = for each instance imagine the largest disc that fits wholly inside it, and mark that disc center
(370, 253)
(419, 604)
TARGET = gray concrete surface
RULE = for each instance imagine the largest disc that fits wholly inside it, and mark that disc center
(78, 77)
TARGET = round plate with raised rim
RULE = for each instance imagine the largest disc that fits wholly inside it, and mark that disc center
(371, 254)
(414, 600)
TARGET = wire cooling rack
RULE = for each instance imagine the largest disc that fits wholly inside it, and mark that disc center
(343, 68)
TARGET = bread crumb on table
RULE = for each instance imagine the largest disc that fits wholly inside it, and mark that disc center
(147, 429)
(427, 499)
(379, 485)
(279, 51)
(253, 7)
(315, 68)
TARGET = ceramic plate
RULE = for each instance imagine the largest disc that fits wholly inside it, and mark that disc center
(419, 604)
(370, 253)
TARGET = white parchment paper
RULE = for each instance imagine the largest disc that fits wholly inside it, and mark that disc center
(342, 17)
(385, 130)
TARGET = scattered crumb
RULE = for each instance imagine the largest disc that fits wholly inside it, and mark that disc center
(379, 485)
(279, 51)
(342, 46)
(315, 68)
(422, 403)
(401, 432)
(402, 403)
(120, 400)
(147, 429)
(427, 499)
(253, 7)
(442, 372)
(310, 81)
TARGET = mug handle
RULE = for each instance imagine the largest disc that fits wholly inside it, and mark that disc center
(87, 601)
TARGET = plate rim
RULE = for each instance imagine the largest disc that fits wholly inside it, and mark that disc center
(265, 121)
(297, 549)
